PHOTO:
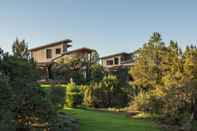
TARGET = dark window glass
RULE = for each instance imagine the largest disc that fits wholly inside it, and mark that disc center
(116, 61)
(58, 51)
(49, 53)
(122, 59)
(109, 62)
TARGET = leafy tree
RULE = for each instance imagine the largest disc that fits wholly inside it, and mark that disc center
(76, 67)
(67, 71)
(97, 73)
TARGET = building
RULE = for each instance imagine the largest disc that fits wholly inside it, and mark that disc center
(57, 52)
(46, 53)
(119, 64)
(84, 54)
(116, 61)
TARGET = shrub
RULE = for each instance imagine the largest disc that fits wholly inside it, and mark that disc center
(57, 96)
(175, 105)
(178, 104)
(73, 95)
(88, 99)
(107, 93)
(150, 101)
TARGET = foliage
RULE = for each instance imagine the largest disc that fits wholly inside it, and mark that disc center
(6, 106)
(147, 102)
(107, 93)
(20, 49)
(23, 103)
(166, 73)
(179, 103)
(122, 74)
(57, 96)
(88, 98)
(67, 71)
(77, 68)
(73, 95)
(97, 73)
(29, 101)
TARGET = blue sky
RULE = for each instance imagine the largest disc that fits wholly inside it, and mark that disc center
(110, 26)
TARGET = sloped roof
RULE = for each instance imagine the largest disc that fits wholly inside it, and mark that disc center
(113, 55)
(66, 41)
(74, 51)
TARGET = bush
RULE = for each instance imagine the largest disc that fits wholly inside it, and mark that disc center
(73, 95)
(57, 95)
(107, 93)
(175, 105)
(88, 99)
(150, 101)
(178, 104)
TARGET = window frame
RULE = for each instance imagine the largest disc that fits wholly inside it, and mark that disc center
(48, 53)
(58, 51)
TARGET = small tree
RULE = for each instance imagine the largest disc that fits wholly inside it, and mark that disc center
(97, 73)
(20, 49)
(73, 95)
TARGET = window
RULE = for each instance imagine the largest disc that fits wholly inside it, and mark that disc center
(58, 51)
(122, 59)
(116, 61)
(110, 62)
(49, 53)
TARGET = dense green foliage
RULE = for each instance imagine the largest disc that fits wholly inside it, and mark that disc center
(107, 93)
(67, 71)
(169, 77)
(97, 73)
(6, 104)
(57, 96)
(73, 95)
(91, 120)
(80, 68)
(23, 105)
(28, 104)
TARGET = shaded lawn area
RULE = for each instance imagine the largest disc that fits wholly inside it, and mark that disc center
(91, 120)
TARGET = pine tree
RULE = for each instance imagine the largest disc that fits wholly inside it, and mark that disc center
(20, 49)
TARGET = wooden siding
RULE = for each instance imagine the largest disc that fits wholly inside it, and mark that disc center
(40, 55)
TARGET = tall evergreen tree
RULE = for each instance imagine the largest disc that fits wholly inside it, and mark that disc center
(147, 68)
(20, 49)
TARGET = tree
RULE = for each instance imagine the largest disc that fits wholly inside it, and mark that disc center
(77, 68)
(190, 63)
(20, 49)
(28, 102)
(170, 76)
(97, 72)
(7, 122)
(67, 71)
(147, 70)
(73, 95)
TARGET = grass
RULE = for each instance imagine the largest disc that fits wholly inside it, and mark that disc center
(194, 126)
(91, 120)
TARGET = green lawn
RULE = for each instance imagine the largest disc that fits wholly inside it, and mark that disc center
(91, 120)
